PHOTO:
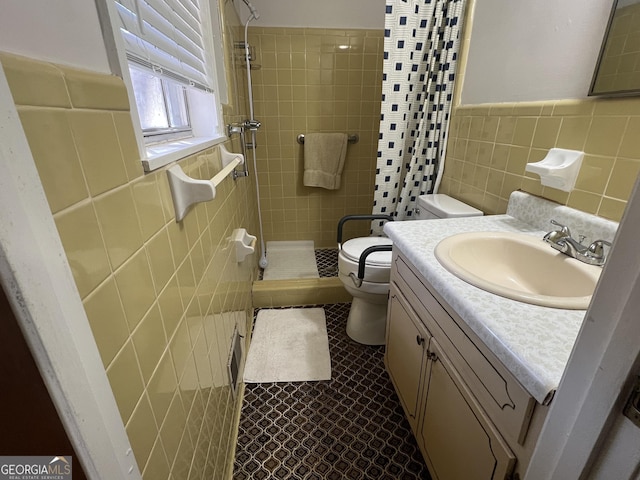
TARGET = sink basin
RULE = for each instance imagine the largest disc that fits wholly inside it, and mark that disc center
(520, 267)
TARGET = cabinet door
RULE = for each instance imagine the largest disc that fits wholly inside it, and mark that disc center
(458, 438)
(406, 345)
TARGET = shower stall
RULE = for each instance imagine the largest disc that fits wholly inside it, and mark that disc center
(301, 81)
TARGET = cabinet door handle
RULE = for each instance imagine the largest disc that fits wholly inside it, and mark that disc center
(432, 356)
(419, 340)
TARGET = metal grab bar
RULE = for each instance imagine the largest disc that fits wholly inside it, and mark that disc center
(362, 262)
(355, 138)
(239, 128)
(359, 217)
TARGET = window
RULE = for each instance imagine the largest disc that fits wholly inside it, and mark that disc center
(162, 106)
(165, 53)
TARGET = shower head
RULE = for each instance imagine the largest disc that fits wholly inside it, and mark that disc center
(252, 9)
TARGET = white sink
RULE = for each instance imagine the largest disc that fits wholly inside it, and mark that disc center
(520, 267)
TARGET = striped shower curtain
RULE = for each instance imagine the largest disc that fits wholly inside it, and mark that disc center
(420, 53)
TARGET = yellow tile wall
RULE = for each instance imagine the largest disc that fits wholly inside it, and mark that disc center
(162, 298)
(315, 80)
(489, 146)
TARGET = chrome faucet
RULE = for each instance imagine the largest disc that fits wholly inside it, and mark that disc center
(562, 241)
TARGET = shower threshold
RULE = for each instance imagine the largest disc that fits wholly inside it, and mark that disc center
(327, 288)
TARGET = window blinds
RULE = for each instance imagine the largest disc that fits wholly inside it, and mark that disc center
(167, 36)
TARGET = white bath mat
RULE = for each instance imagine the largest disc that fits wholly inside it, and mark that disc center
(289, 260)
(289, 345)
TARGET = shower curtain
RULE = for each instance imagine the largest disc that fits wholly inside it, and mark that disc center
(420, 52)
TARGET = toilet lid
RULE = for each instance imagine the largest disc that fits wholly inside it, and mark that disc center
(352, 249)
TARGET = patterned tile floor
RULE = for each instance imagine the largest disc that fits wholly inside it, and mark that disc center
(327, 261)
(351, 427)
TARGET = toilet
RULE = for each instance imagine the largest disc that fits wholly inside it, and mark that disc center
(368, 315)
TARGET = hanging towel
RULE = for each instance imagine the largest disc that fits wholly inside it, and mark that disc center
(324, 155)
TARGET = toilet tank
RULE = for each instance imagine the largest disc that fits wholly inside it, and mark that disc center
(438, 205)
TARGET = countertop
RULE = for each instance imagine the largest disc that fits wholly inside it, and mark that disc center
(533, 342)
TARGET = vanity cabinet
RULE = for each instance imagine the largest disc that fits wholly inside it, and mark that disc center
(406, 355)
(470, 416)
(457, 437)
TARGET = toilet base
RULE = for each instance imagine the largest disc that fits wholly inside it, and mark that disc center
(367, 322)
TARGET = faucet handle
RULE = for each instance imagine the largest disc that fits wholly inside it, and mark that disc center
(563, 228)
(555, 236)
(596, 249)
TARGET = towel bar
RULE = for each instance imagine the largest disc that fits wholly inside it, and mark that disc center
(186, 191)
(351, 138)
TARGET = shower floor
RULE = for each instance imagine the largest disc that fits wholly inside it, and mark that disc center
(326, 260)
(351, 426)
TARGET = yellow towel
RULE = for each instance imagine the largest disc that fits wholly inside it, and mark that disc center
(324, 155)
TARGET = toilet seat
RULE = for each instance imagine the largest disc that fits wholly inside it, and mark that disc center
(352, 249)
(378, 264)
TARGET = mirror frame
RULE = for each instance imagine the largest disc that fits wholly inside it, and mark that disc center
(614, 93)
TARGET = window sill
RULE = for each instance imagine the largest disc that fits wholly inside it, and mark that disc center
(162, 154)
